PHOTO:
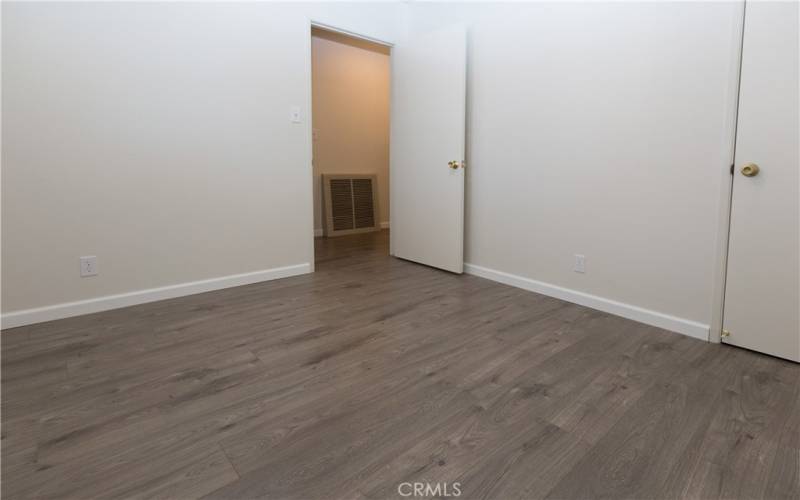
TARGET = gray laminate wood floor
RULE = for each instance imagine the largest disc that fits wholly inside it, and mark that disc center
(373, 372)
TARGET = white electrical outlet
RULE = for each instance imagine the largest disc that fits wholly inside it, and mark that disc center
(580, 263)
(89, 265)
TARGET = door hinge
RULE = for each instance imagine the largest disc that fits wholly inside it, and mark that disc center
(731, 168)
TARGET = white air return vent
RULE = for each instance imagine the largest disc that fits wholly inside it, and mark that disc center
(350, 204)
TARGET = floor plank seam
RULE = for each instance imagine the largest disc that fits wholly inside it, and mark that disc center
(228, 458)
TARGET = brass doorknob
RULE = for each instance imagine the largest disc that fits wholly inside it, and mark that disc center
(750, 170)
(453, 164)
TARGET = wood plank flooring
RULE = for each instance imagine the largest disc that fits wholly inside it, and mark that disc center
(374, 372)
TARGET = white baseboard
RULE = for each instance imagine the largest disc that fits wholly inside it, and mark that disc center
(647, 316)
(69, 309)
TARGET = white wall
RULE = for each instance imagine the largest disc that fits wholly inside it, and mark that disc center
(350, 101)
(157, 137)
(603, 130)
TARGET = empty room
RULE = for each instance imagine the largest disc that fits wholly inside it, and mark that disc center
(400, 249)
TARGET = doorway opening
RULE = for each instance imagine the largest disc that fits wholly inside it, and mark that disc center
(350, 86)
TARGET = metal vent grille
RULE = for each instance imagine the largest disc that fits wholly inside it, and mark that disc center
(350, 204)
(342, 204)
(363, 208)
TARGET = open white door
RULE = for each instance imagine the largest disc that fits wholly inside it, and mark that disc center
(762, 293)
(428, 122)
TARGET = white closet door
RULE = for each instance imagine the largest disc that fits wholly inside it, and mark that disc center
(762, 298)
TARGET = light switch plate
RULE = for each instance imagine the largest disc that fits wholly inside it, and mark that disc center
(294, 114)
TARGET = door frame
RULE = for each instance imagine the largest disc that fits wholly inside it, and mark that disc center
(310, 25)
(730, 122)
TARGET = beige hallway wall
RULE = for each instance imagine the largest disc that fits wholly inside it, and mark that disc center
(350, 102)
